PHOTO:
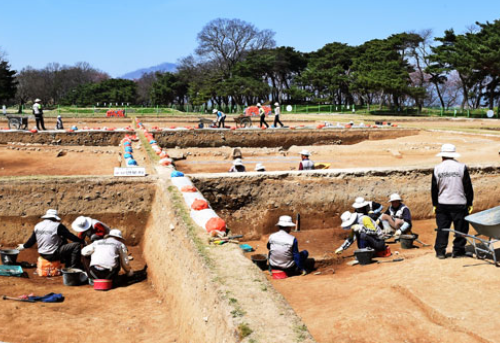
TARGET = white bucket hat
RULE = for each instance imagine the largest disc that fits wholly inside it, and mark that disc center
(51, 214)
(260, 167)
(448, 150)
(37, 100)
(259, 105)
(238, 162)
(305, 152)
(276, 104)
(360, 202)
(115, 233)
(348, 219)
(285, 221)
(394, 197)
(214, 110)
(81, 224)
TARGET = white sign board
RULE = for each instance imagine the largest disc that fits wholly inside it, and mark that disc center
(490, 114)
(289, 108)
(133, 171)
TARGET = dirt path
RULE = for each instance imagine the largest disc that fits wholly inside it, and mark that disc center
(421, 299)
(127, 314)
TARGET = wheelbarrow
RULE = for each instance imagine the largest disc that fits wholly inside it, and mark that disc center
(486, 223)
(243, 121)
(18, 122)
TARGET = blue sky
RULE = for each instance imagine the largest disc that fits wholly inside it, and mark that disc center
(118, 36)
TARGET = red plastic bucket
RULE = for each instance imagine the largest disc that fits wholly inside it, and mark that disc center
(278, 274)
(102, 284)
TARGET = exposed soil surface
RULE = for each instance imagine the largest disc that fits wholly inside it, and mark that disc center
(421, 299)
(33, 159)
(132, 313)
(416, 150)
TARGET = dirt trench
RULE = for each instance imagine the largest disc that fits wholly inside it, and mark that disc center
(252, 203)
(88, 138)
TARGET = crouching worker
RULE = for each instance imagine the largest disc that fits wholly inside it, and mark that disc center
(284, 249)
(91, 228)
(364, 230)
(51, 237)
(397, 218)
(370, 208)
(108, 256)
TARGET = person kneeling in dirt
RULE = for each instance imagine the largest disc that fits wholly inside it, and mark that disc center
(91, 228)
(238, 166)
(284, 249)
(397, 218)
(108, 256)
(51, 237)
(305, 163)
(370, 208)
(364, 230)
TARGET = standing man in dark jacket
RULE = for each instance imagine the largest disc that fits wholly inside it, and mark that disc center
(452, 197)
(51, 237)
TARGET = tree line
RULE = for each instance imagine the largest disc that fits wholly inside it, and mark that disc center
(236, 64)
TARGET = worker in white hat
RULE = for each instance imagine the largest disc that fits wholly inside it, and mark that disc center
(452, 198)
(284, 249)
(364, 230)
(108, 256)
(238, 166)
(51, 237)
(91, 228)
(38, 113)
(59, 123)
(262, 114)
(260, 167)
(397, 218)
(370, 208)
(305, 163)
(277, 112)
(221, 118)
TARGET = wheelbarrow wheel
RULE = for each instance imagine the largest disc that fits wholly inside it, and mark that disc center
(246, 122)
(15, 124)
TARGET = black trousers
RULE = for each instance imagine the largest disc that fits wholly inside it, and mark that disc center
(69, 254)
(222, 122)
(368, 241)
(445, 216)
(105, 274)
(40, 122)
(263, 120)
(277, 120)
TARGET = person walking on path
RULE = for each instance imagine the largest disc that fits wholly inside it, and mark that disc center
(277, 113)
(51, 237)
(262, 114)
(452, 197)
(38, 113)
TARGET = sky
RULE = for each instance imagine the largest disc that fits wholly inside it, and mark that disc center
(119, 36)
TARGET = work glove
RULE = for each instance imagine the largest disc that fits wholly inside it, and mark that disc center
(303, 273)
(130, 273)
(434, 210)
(397, 234)
(20, 247)
(470, 209)
(356, 228)
(339, 251)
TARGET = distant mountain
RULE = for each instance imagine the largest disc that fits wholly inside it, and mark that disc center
(136, 74)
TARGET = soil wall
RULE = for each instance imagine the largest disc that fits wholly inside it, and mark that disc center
(93, 138)
(119, 202)
(274, 138)
(252, 203)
